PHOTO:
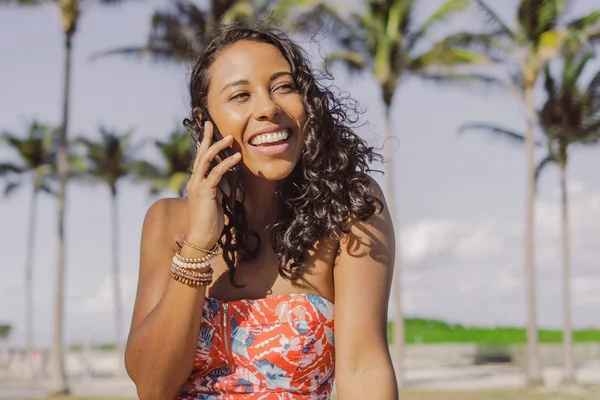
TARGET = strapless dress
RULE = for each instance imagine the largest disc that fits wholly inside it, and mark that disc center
(279, 347)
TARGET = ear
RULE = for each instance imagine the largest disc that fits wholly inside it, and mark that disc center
(197, 112)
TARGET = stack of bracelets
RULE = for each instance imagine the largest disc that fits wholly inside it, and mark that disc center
(190, 271)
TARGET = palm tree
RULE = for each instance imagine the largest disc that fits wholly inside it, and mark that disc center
(69, 11)
(109, 160)
(384, 41)
(570, 116)
(177, 159)
(179, 33)
(5, 331)
(37, 153)
(539, 35)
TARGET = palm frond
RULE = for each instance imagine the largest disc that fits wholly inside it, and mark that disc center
(47, 189)
(493, 21)
(458, 49)
(537, 17)
(573, 69)
(549, 83)
(593, 93)
(589, 21)
(481, 47)
(354, 61)
(156, 53)
(6, 168)
(495, 130)
(22, 2)
(542, 165)
(144, 170)
(439, 16)
(10, 188)
(464, 79)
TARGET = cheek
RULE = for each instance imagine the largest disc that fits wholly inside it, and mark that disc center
(231, 123)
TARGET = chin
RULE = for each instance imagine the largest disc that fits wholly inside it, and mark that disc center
(273, 171)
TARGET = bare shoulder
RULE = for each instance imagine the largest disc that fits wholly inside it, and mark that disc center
(381, 213)
(165, 218)
(375, 189)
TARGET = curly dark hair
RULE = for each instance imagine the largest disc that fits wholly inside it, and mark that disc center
(329, 186)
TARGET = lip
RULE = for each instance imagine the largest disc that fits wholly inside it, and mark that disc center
(271, 129)
(271, 150)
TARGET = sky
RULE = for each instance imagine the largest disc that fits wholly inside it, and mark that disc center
(460, 199)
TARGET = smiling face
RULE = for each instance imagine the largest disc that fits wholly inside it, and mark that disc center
(252, 97)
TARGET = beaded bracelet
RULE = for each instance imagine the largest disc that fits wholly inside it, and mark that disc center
(193, 260)
(192, 278)
(190, 282)
(192, 265)
(192, 273)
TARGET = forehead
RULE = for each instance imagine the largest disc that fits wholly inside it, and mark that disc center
(247, 60)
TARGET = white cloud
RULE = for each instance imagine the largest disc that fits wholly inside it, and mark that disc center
(463, 240)
(474, 269)
(101, 299)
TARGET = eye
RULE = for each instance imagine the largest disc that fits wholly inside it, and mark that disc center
(239, 96)
(286, 87)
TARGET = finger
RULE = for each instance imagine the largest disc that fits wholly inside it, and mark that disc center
(211, 153)
(203, 145)
(208, 136)
(221, 169)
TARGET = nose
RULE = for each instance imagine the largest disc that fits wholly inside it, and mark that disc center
(265, 108)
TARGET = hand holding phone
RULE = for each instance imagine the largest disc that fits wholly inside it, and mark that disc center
(231, 177)
(207, 206)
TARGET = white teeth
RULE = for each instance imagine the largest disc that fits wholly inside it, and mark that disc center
(269, 138)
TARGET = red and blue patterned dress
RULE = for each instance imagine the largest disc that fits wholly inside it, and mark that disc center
(279, 347)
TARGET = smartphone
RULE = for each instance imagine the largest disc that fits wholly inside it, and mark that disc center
(233, 175)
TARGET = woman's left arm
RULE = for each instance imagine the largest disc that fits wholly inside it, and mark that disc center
(363, 276)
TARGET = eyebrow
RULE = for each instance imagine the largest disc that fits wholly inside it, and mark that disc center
(240, 82)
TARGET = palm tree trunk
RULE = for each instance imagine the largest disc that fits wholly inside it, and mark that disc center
(29, 277)
(398, 332)
(569, 373)
(58, 385)
(533, 368)
(118, 310)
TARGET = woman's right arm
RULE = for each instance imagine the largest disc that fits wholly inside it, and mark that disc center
(167, 314)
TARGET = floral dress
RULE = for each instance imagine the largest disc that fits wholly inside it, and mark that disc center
(269, 349)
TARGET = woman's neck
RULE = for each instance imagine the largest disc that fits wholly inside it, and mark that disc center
(260, 204)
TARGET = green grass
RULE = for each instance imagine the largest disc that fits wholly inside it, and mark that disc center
(419, 330)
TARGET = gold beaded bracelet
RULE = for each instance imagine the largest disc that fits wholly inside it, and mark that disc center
(192, 265)
(193, 279)
(190, 282)
(191, 272)
(200, 260)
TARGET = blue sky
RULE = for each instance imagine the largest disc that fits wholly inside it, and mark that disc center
(460, 199)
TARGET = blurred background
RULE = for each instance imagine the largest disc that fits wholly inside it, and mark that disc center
(451, 93)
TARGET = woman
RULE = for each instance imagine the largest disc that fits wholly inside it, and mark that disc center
(244, 307)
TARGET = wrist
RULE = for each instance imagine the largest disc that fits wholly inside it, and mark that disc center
(201, 240)
(198, 245)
